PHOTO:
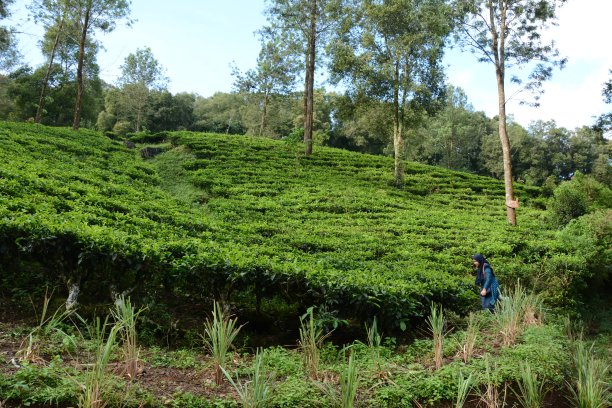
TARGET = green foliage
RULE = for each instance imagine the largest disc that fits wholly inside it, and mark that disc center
(189, 400)
(326, 229)
(349, 382)
(219, 335)
(174, 359)
(312, 336)
(254, 392)
(590, 388)
(578, 196)
(531, 388)
(33, 384)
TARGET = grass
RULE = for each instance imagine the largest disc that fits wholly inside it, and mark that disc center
(471, 336)
(92, 391)
(219, 334)
(464, 386)
(29, 349)
(125, 315)
(532, 389)
(312, 337)
(437, 325)
(349, 382)
(256, 391)
(590, 388)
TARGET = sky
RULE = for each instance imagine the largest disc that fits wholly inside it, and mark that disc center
(197, 41)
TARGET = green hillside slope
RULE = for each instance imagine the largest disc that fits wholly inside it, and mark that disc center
(217, 214)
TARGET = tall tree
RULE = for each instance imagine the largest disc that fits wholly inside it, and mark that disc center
(274, 75)
(604, 121)
(90, 15)
(393, 51)
(507, 33)
(9, 56)
(140, 73)
(309, 22)
(52, 15)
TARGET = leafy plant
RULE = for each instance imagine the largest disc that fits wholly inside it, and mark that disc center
(437, 325)
(532, 389)
(92, 391)
(29, 349)
(471, 336)
(349, 382)
(464, 385)
(312, 337)
(256, 391)
(590, 389)
(374, 339)
(219, 334)
(126, 316)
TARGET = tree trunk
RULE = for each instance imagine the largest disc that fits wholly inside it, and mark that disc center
(499, 42)
(505, 141)
(398, 141)
(310, 68)
(264, 112)
(43, 91)
(76, 123)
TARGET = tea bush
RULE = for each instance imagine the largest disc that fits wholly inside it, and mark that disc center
(254, 214)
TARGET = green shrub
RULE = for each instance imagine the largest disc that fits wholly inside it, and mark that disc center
(576, 197)
(569, 201)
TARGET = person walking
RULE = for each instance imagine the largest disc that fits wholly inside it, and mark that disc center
(486, 280)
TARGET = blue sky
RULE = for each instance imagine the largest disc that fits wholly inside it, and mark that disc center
(197, 40)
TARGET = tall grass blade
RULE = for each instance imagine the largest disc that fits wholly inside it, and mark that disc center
(471, 336)
(312, 337)
(125, 315)
(219, 335)
(532, 389)
(464, 386)
(590, 388)
(437, 323)
(349, 383)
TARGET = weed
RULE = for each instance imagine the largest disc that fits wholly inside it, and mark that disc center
(29, 350)
(311, 341)
(125, 315)
(374, 340)
(349, 383)
(255, 392)
(590, 389)
(92, 390)
(219, 334)
(471, 335)
(437, 324)
(464, 385)
(509, 315)
(531, 388)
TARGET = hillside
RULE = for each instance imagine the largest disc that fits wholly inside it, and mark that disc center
(218, 215)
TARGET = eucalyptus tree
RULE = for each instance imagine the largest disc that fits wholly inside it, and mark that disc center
(277, 67)
(91, 15)
(453, 137)
(507, 33)
(308, 23)
(140, 74)
(604, 121)
(52, 14)
(392, 51)
(8, 51)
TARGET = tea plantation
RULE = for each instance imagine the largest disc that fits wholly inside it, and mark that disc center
(218, 215)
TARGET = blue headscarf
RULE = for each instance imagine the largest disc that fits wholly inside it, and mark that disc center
(480, 271)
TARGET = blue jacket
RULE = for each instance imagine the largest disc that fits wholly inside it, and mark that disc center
(485, 278)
